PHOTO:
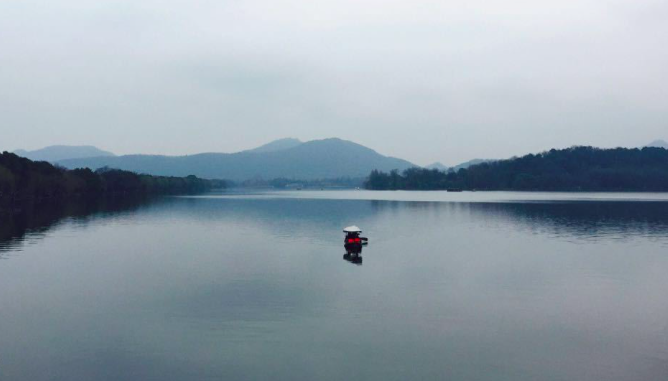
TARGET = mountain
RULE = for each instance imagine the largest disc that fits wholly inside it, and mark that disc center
(317, 159)
(57, 153)
(441, 167)
(469, 163)
(437, 165)
(658, 144)
(277, 145)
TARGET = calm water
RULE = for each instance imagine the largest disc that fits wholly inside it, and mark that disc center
(459, 286)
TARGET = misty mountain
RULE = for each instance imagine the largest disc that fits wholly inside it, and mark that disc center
(317, 159)
(470, 163)
(59, 152)
(658, 144)
(441, 167)
(437, 165)
(277, 145)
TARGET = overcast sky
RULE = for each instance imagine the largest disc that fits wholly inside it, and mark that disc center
(422, 80)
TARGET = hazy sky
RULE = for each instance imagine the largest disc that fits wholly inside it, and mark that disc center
(422, 80)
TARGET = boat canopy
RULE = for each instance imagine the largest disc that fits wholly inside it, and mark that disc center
(352, 229)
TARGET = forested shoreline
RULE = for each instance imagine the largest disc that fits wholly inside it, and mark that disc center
(571, 169)
(22, 179)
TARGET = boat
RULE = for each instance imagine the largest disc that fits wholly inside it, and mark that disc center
(354, 232)
(353, 236)
(352, 229)
(353, 244)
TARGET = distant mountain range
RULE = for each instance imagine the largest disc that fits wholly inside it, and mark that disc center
(284, 158)
(288, 158)
(470, 163)
(437, 165)
(56, 153)
(277, 145)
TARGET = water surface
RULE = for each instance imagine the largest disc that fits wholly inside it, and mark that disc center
(249, 286)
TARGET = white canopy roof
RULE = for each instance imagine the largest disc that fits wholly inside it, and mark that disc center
(352, 229)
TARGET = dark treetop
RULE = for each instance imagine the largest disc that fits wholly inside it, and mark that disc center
(571, 169)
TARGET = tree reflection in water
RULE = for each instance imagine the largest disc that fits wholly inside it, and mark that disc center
(31, 220)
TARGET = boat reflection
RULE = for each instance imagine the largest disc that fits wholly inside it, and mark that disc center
(353, 252)
(354, 256)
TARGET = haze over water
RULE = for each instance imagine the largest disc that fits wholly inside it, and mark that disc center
(250, 286)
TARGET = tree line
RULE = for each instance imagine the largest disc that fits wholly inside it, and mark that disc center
(571, 169)
(21, 178)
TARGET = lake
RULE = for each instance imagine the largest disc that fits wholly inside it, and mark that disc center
(254, 286)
